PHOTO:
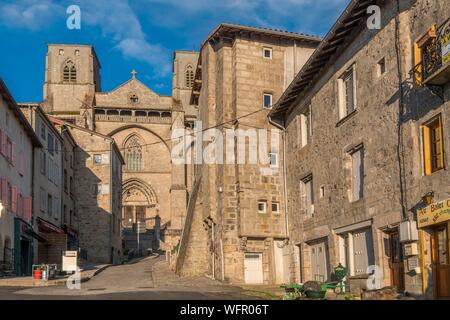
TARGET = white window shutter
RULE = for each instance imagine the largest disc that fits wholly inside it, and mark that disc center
(356, 169)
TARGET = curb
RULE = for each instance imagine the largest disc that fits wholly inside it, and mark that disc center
(52, 283)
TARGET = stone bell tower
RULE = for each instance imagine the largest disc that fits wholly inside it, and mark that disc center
(72, 76)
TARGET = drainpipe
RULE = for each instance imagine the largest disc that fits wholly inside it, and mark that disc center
(286, 216)
(214, 250)
(111, 200)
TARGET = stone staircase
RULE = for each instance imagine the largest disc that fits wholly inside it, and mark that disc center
(185, 235)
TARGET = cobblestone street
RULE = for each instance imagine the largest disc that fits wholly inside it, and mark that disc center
(149, 278)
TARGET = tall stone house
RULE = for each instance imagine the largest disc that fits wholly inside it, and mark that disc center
(155, 191)
(236, 224)
(17, 144)
(366, 123)
(97, 189)
(47, 187)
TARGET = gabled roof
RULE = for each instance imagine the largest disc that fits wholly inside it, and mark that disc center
(11, 103)
(229, 29)
(336, 38)
(43, 115)
(232, 28)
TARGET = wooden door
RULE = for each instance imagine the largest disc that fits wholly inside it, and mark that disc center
(441, 267)
(253, 268)
(396, 263)
(319, 261)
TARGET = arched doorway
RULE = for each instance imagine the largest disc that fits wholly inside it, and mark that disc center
(140, 204)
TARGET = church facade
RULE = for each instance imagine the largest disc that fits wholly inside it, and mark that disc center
(154, 191)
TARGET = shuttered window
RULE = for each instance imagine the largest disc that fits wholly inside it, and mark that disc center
(14, 200)
(347, 92)
(433, 150)
(27, 207)
(357, 174)
(307, 194)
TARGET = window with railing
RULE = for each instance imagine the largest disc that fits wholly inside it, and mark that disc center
(432, 56)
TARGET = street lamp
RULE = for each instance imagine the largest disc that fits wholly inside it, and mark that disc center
(428, 197)
(138, 229)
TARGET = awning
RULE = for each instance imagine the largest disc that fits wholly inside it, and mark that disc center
(70, 231)
(48, 227)
(33, 234)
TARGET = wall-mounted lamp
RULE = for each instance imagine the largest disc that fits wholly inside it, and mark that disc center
(1, 209)
(428, 198)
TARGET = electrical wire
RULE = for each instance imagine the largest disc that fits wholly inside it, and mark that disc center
(169, 139)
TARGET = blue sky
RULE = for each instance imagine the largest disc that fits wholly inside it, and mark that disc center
(140, 34)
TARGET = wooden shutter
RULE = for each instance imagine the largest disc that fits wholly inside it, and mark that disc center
(4, 143)
(357, 174)
(4, 182)
(2, 190)
(27, 208)
(14, 200)
(426, 150)
(14, 154)
(20, 205)
(21, 163)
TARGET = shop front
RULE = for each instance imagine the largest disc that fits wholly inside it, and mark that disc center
(73, 242)
(50, 251)
(434, 225)
(23, 247)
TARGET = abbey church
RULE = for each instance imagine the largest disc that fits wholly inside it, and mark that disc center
(154, 191)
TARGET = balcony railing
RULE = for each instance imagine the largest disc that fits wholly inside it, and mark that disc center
(434, 68)
(135, 119)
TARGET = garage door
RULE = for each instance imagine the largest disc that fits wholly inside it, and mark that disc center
(253, 268)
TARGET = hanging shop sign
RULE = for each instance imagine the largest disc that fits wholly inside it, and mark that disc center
(433, 214)
(445, 44)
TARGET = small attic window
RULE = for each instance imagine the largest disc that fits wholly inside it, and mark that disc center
(267, 53)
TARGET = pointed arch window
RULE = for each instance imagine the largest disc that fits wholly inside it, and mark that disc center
(70, 72)
(189, 76)
(133, 149)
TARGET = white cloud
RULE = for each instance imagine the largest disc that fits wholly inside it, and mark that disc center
(115, 19)
(119, 20)
(29, 14)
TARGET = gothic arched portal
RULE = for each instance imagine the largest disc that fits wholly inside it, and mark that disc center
(140, 203)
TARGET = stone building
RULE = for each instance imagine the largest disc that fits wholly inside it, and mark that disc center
(365, 142)
(237, 225)
(97, 189)
(17, 143)
(47, 187)
(69, 218)
(155, 191)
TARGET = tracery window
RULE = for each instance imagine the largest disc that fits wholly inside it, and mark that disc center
(133, 150)
(189, 76)
(70, 72)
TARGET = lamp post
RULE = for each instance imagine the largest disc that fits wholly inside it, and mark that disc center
(138, 230)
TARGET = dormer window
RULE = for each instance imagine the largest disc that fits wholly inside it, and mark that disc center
(70, 72)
